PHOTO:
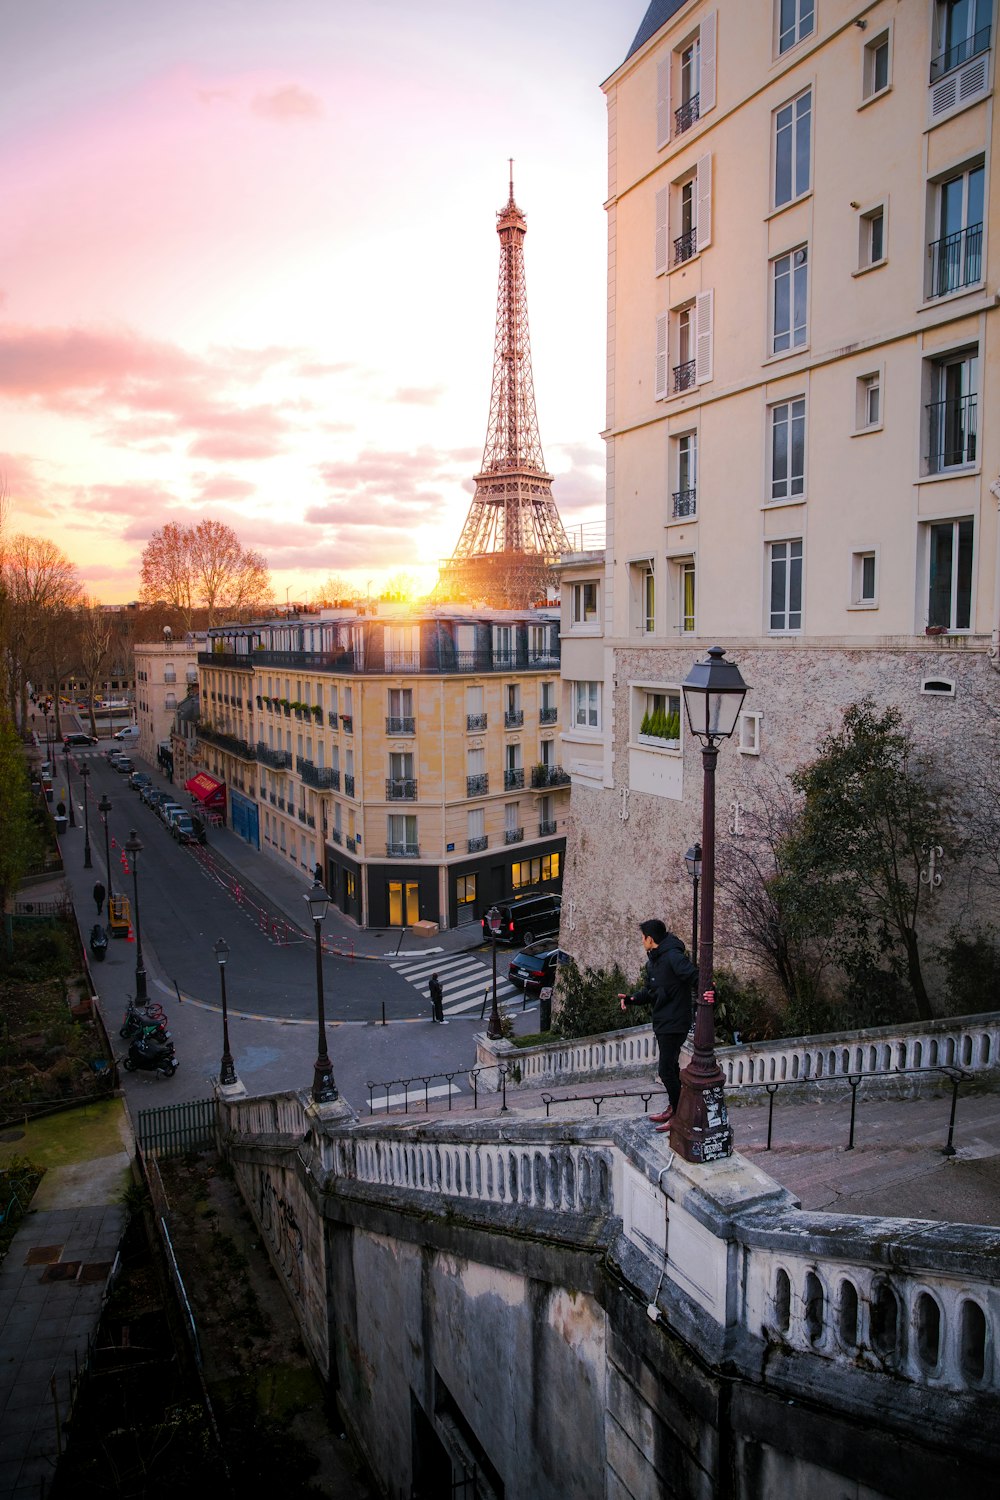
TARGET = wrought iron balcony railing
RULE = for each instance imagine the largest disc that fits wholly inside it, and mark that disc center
(685, 503)
(513, 779)
(331, 719)
(347, 722)
(351, 842)
(400, 789)
(322, 777)
(963, 51)
(402, 851)
(684, 375)
(548, 716)
(477, 844)
(395, 724)
(514, 718)
(951, 431)
(685, 246)
(513, 835)
(230, 742)
(544, 829)
(475, 723)
(956, 260)
(348, 785)
(279, 760)
(546, 776)
(477, 786)
(336, 836)
(686, 114)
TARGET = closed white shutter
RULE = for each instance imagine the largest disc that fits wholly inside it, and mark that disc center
(703, 192)
(661, 357)
(703, 336)
(663, 101)
(706, 99)
(661, 231)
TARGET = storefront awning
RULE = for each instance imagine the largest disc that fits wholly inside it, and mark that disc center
(210, 793)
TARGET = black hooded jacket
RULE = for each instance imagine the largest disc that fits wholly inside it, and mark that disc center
(667, 987)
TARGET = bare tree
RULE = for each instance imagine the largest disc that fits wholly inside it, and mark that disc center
(334, 591)
(94, 650)
(167, 573)
(207, 565)
(39, 581)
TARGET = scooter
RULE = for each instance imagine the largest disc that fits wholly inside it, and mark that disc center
(139, 1023)
(151, 1057)
(98, 942)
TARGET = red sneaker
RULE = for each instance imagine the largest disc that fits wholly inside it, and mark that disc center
(661, 1118)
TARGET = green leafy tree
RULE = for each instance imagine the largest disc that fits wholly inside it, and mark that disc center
(19, 838)
(870, 812)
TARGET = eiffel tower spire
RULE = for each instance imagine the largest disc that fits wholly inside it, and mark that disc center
(512, 532)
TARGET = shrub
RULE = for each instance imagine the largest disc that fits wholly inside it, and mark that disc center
(588, 1001)
(972, 967)
(742, 1007)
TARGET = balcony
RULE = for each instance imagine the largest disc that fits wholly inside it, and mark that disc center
(324, 778)
(684, 376)
(951, 427)
(170, 676)
(404, 725)
(513, 779)
(477, 786)
(685, 246)
(229, 742)
(331, 719)
(348, 786)
(278, 760)
(281, 805)
(228, 659)
(546, 776)
(545, 829)
(961, 52)
(351, 842)
(685, 503)
(686, 114)
(301, 814)
(514, 718)
(548, 716)
(402, 661)
(336, 836)
(476, 723)
(956, 261)
(400, 789)
(347, 722)
(475, 846)
(513, 835)
(402, 851)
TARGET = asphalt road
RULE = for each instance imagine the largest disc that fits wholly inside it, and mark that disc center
(271, 988)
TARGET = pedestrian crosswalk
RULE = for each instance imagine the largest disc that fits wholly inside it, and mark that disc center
(467, 983)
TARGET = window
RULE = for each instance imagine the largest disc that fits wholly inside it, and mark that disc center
(587, 705)
(785, 562)
(871, 237)
(792, 157)
(400, 703)
(789, 275)
(864, 580)
(402, 648)
(685, 82)
(955, 257)
(527, 872)
(658, 714)
(684, 369)
(689, 330)
(868, 402)
(687, 578)
(796, 19)
(684, 217)
(642, 595)
(402, 834)
(504, 645)
(875, 77)
(685, 496)
(788, 449)
(584, 603)
(949, 575)
(649, 601)
(963, 32)
(476, 824)
(952, 415)
(749, 734)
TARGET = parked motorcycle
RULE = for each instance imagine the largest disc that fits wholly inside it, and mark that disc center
(144, 1023)
(147, 1056)
(98, 942)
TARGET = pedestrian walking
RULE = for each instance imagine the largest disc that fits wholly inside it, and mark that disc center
(99, 895)
(437, 995)
(667, 988)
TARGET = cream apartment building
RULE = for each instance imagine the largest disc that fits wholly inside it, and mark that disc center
(165, 672)
(804, 247)
(412, 756)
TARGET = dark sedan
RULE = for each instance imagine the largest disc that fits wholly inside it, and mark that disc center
(536, 966)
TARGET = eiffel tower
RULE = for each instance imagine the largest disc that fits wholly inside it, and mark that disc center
(512, 532)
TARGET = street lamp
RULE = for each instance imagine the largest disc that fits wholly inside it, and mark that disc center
(69, 787)
(227, 1068)
(85, 778)
(494, 1029)
(692, 863)
(104, 807)
(324, 1089)
(713, 696)
(133, 849)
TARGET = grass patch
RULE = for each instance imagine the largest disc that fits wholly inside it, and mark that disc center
(534, 1039)
(71, 1136)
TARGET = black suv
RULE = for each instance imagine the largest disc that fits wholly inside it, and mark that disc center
(524, 918)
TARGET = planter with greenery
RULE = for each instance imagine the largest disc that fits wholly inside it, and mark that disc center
(661, 729)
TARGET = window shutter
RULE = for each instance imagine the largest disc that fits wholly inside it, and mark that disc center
(703, 192)
(703, 337)
(661, 231)
(706, 100)
(663, 101)
(661, 357)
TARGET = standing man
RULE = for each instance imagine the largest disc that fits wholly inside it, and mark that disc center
(667, 988)
(437, 995)
(99, 895)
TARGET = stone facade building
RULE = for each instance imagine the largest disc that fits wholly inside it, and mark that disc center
(165, 672)
(803, 339)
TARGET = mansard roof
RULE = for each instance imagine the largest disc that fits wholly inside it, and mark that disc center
(657, 15)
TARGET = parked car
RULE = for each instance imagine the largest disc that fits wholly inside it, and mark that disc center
(535, 966)
(79, 739)
(123, 765)
(182, 828)
(130, 732)
(200, 831)
(153, 796)
(138, 780)
(166, 808)
(524, 918)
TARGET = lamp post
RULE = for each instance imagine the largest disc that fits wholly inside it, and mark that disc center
(133, 848)
(692, 863)
(69, 787)
(104, 807)
(494, 1028)
(324, 1089)
(85, 778)
(227, 1068)
(713, 696)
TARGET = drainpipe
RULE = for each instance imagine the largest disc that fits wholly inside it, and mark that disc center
(993, 654)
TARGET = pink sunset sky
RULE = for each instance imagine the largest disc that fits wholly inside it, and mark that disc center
(248, 269)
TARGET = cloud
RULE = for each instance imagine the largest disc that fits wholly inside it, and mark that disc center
(226, 487)
(56, 365)
(415, 395)
(288, 102)
(234, 447)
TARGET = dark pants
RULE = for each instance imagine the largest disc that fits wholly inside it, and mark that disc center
(670, 1044)
(437, 1010)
